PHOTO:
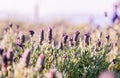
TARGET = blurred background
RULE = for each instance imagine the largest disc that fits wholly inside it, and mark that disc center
(74, 11)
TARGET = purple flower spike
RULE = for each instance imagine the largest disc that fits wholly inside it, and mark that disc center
(114, 61)
(26, 57)
(40, 62)
(99, 43)
(23, 38)
(64, 39)
(87, 38)
(10, 55)
(41, 36)
(31, 32)
(76, 34)
(71, 41)
(1, 51)
(4, 60)
(50, 35)
(108, 37)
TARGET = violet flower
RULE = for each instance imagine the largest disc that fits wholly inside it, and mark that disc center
(87, 38)
(31, 32)
(98, 43)
(64, 39)
(22, 38)
(76, 35)
(4, 60)
(40, 62)
(108, 37)
(1, 51)
(50, 35)
(41, 36)
(71, 43)
(26, 57)
(10, 55)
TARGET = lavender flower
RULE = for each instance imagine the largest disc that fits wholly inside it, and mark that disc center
(60, 45)
(19, 43)
(87, 38)
(4, 63)
(1, 51)
(64, 39)
(22, 38)
(50, 35)
(71, 43)
(41, 36)
(75, 37)
(114, 61)
(10, 55)
(26, 57)
(4, 60)
(40, 62)
(115, 15)
(98, 43)
(31, 33)
(108, 37)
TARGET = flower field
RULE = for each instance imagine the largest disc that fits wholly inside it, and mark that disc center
(59, 51)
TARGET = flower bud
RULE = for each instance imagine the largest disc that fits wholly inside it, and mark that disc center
(108, 37)
(50, 35)
(114, 61)
(64, 39)
(41, 36)
(98, 43)
(22, 38)
(87, 38)
(31, 33)
(71, 43)
(75, 37)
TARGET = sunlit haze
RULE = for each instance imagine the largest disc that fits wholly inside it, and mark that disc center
(54, 7)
